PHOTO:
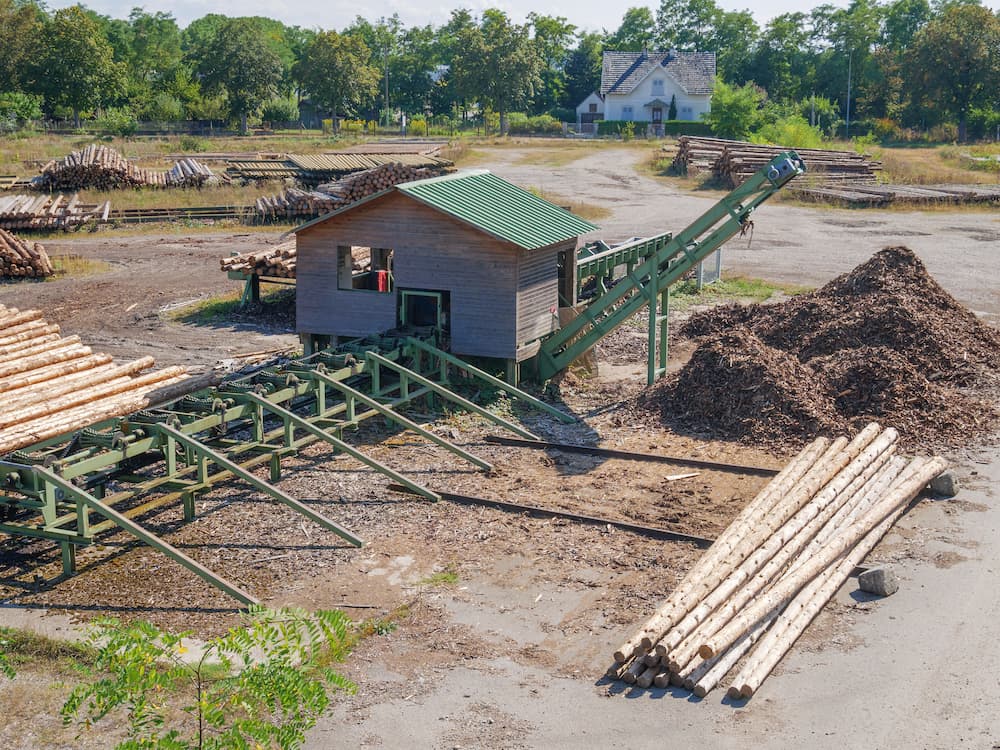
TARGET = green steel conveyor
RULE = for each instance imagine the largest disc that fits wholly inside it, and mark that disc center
(652, 266)
(71, 488)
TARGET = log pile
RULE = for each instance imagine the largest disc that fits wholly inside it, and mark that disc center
(188, 172)
(53, 385)
(49, 211)
(766, 577)
(278, 261)
(330, 196)
(21, 259)
(733, 162)
(103, 168)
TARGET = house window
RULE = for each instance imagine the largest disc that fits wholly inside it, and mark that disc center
(657, 85)
(593, 108)
(364, 268)
(627, 112)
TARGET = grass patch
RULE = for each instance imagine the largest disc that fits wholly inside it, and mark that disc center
(547, 156)
(588, 211)
(446, 577)
(26, 648)
(729, 289)
(380, 625)
(76, 266)
(225, 307)
(935, 165)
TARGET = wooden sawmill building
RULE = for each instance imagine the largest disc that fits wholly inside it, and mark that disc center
(489, 262)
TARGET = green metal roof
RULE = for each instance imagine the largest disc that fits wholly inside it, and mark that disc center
(498, 208)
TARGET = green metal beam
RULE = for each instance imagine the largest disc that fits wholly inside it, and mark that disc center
(71, 490)
(205, 452)
(301, 423)
(496, 382)
(685, 250)
(451, 396)
(395, 416)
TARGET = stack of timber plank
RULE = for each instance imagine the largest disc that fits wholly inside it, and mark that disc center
(103, 168)
(766, 577)
(276, 262)
(53, 385)
(49, 211)
(733, 162)
(878, 196)
(21, 259)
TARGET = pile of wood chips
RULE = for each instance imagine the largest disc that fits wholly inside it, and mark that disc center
(52, 385)
(733, 162)
(883, 342)
(21, 259)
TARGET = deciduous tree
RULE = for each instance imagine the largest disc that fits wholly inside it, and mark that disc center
(335, 72)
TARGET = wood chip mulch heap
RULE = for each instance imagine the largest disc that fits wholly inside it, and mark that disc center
(884, 342)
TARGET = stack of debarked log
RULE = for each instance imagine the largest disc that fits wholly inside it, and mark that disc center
(102, 167)
(766, 577)
(53, 385)
(21, 259)
(278, 261)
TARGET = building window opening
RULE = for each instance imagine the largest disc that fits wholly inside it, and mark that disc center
(364, 268)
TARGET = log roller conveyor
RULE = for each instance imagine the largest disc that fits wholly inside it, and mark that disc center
(72, 487)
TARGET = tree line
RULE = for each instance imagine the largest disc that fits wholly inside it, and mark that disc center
(887, 66)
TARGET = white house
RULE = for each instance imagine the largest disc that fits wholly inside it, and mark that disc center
(639, 86)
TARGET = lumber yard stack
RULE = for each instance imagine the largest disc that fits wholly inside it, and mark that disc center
(733, 162)
(49, 211)
(53, 385)
(21, 259)
(757, 588)
(277, 262)
(103, 168)
(333, 195)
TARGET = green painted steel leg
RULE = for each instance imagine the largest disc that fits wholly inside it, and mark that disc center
(454, 397)
(140, 533)
(664, 329)
(68, 557)
(496, 382)
(206, 454)
(395, 416)
(337, 443)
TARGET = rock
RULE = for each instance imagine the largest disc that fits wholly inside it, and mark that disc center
(879, 581)
(944, 485)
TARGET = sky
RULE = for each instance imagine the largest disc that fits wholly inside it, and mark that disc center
(590, 15)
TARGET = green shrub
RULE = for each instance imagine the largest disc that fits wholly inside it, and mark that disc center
(118, 121)
(792, 131)
(191, 143)
(280, 110)
(563, 114)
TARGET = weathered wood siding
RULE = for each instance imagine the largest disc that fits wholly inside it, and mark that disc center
(432, 251)
(538, 291)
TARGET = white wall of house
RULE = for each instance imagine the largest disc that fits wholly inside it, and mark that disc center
(592, 104)
(657, 85)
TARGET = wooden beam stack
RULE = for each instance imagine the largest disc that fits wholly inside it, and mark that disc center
(49, 211)
(188, 173)
(770, 572)
(276, 262)
(53, 385)
(21, 259)
(733, 162)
